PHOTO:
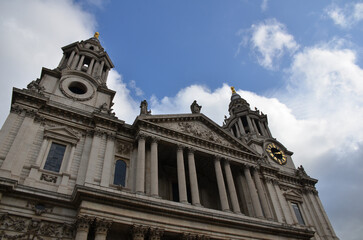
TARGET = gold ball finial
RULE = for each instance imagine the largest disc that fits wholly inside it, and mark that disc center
(233, 90)
(97, 34)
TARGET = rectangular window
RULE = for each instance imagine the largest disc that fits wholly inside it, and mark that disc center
(298, 213)
(55, 157)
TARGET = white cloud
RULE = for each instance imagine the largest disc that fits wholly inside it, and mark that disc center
(269, 41)
(138, 91)
(347, 16)
(126, 108)
(31, 38)
(264, 5)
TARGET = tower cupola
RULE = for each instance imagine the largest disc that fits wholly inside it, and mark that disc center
(243, 121)
(87, 58)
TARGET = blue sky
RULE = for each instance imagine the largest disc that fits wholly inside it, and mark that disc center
(298, 61)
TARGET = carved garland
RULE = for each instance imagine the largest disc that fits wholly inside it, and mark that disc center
(13, 227)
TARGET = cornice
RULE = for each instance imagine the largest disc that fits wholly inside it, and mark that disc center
(181, 211)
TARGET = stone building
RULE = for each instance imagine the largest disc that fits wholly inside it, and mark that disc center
(70, 169)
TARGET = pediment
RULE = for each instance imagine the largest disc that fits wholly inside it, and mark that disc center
(61, 133)
(293, 195)
(200, 127)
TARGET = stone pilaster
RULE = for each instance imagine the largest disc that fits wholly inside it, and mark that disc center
(109, 159)
(18, 153)
(275, 201)
(93, 156)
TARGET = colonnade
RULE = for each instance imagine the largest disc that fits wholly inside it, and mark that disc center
(76, 60)
(224, 178)
(254, 126)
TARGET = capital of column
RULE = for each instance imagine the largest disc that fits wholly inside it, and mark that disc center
(83, 223)
(141, 136)
(155, 139)
(138, 231)
(180, 147)
(217, 158)
(191, 150)
(102, 225)
(156, 233)
(111, 136)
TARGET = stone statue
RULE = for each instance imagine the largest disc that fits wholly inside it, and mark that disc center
(143, 108)
(34, 86)
(195, 108)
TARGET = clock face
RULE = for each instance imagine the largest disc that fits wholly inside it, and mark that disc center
(276, 154)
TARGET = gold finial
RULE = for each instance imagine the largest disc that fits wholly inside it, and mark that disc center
(97, 34)
(233, 90)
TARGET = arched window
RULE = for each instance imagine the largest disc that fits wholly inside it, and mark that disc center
(120, 173)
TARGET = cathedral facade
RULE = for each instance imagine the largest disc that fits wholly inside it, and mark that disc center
(70, 169)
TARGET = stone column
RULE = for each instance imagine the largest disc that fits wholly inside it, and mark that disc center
(253, 191)
(80, 63)
(155, 233)
(221, 186)
(62, 60)
(90, 67)
(154, 168)
(75, 62)
(255, 126)
(102, 226)
(83, 224)
(100, 69)
(138, 232)
(231, 187)
(70, 58)
(238, 131)
(108, 160)
(106, 74)
(95, 69)
(250, 125)
(181, 175)
(193, 178)
(140, 167)
(240, 124)
(232, 132)
(261, 194)
(263, 130)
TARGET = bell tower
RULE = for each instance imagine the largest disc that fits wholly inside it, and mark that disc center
(80, 78)
(251, 127)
